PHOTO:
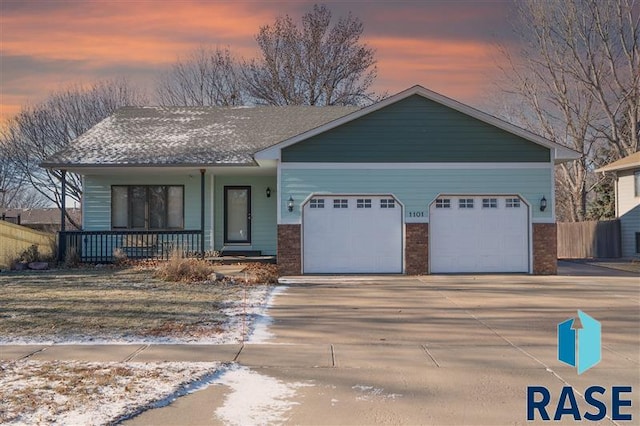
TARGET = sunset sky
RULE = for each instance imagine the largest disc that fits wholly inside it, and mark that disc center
(447, 46)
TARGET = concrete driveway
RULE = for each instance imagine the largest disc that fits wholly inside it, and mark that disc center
(433, 349)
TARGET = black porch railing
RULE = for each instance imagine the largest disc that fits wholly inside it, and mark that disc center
(100, 246)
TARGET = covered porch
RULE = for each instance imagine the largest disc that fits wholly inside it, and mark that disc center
(150, 212)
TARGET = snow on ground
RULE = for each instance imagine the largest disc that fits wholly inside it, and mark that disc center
(82, 393)
(255, 398)
(261, 321)
(368, 393)
(78, 393)
(246, 319)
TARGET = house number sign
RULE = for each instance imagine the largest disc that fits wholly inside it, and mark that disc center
(416, 214)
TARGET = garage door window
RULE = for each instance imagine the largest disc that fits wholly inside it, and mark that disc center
(363, 203)
(443, 203)
(489, 203)
(340, 203)
(465, 203)
(317, 203)
(387, 203)
(513, 203)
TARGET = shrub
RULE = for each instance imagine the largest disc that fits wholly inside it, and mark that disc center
(181, 269)
(120, 258)
(32, 254)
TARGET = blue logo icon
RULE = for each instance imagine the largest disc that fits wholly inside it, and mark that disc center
(582, 349)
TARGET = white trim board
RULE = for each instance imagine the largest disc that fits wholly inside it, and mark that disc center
(415, 166)
(561, 153)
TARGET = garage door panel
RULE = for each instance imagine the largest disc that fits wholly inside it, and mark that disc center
(352, 239)
(484, 238)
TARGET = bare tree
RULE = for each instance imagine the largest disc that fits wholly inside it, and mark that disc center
(39, 131)
(208, 77)
(319, 64)
(578, 77)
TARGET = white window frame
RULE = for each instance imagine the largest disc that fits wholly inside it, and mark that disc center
(316, 203)
(340, 203)
(489, 203)
(466, 203)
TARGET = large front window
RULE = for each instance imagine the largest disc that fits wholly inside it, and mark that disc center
(147, 207)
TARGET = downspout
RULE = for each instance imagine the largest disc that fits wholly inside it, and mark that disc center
(202, 184)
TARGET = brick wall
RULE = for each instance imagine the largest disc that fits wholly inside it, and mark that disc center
(416, 248)
(545, 249)
(289, 250)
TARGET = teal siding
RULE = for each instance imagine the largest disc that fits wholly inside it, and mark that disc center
(416, 188)
(97, 199)
(97, 204)
(416, 130)
(263, 211)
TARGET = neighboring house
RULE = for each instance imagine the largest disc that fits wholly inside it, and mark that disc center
(417, 183)
(627, 195)
(43, 219)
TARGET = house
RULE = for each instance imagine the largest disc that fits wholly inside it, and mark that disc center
(45, 219)
(417, 183)
(627, 196)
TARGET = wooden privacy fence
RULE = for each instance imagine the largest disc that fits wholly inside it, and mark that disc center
(591, 239)
(14, 239)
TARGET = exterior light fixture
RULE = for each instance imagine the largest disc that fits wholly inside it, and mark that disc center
(268, 192)
(290, 203)
(543, 204)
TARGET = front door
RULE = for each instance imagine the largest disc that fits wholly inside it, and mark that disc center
(237, 215)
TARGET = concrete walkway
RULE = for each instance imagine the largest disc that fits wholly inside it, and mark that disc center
(410, 350)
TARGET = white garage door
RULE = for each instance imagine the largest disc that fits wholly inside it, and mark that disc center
(352, 234)
(479, 234)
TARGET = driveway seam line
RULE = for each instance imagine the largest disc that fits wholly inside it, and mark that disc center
(235, 359)
(333, 356)
(547, 368)
(29, 355)
(135, 353)
(424, 347)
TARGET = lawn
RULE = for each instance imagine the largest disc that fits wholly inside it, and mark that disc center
(125, 305)
(105, 305)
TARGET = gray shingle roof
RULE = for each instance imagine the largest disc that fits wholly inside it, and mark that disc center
(175, 136)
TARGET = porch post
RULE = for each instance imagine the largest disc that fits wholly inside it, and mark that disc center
(202, 171)
(63, 201)
(62, 239)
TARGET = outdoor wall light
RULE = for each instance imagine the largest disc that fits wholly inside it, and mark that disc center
(290, 203)
(543, 204)
(268, 192)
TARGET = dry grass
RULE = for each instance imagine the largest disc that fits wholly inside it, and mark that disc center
(180, 269)
(109, 305)
(69, 392)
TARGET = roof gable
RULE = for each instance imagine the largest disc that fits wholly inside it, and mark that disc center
(560, 153)
(416, 129)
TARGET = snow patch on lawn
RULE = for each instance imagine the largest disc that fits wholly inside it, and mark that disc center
(255, 398)
(262, 321)
(246, 319)
(74, 392)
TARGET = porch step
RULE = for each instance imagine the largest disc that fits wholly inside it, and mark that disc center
(232, 260)
(236, 253)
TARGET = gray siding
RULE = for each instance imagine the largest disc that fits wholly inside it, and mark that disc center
(628, 211)
(416, 130)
